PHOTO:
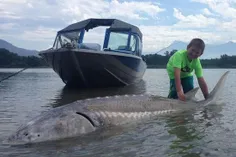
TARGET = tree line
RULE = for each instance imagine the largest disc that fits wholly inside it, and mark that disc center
(12, 60)
(160, 61)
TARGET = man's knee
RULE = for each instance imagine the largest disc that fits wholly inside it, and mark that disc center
(173, 95)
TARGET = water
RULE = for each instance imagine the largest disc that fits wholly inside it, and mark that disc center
(207, 132)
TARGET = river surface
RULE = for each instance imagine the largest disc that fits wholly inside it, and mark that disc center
(207, 132)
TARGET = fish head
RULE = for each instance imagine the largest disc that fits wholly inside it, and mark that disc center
(25, 134)
(49, 128)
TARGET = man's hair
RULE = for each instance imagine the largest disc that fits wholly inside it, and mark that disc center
(198, 43)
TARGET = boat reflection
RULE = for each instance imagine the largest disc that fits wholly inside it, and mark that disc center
(69, 95)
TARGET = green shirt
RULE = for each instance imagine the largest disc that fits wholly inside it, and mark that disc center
(179, 60)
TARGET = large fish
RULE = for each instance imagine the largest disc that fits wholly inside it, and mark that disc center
(85, 116)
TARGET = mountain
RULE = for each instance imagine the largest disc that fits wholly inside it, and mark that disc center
(17, 50)
(211, 51)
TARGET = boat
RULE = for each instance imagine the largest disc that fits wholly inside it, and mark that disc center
(118, 62)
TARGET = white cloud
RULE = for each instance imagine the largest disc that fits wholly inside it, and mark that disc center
(30, 5)
(72, 11)
(75, 10)
(38, 21)
(14, 1)
(222, 7)
(132, 9)
(27, 9)
(207, 12)
(226, 26)
(9, 8)
(193, 21)
(229, 26)
(103, 9)
(80, 10)
(9, 15)
(7, 26)
(39, 34)
(44, 17)
(157, 37)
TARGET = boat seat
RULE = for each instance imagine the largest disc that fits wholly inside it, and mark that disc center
(90, 46)
(124, 48)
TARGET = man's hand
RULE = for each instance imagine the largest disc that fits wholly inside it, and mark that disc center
(181, 96)
(178, 85)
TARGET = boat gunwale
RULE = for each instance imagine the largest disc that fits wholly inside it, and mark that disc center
(115, 53)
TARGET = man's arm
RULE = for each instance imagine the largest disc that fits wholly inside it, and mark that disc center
(178, 85)
(203, 86)
(201, 80)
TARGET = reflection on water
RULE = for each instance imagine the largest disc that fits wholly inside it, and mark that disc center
(68, 95)
(185, 134)
(189, 130)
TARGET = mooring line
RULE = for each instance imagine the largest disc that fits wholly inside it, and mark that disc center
(12, 75)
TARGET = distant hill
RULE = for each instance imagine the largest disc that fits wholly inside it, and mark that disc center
(12, 60)
(19, 51)
(211, 51)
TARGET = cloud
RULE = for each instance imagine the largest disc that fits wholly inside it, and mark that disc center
(13, 1)
(7, 26)
(81, 9)
(9, 15)
(37, 22)
(193, 21)
(39, 34)
(157, 37)
(226, 25)
(103, 9)
(134, 9)
(229, 26)
(224, 8)
(9, 8)
(207, 12)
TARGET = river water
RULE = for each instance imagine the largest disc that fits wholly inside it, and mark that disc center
(207, 132)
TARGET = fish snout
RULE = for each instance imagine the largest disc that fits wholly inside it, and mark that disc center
(21, 138)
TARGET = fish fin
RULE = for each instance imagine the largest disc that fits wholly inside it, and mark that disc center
(215, 93)
(191, 94)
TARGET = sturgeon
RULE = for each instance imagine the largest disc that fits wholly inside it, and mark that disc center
(85, 116)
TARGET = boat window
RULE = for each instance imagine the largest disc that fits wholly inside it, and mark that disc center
(57, 43)
(133, 43)
(140, 46)
(65, 41)
(118, 41)
(70, 39)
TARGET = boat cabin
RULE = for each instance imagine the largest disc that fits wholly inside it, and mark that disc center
(120, 37)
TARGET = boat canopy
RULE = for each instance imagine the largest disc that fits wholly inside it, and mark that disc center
(115, 25)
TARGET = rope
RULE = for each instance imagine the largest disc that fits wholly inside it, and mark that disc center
(12, 75)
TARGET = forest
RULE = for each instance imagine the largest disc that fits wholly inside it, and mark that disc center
(12, 60)
(160, 61)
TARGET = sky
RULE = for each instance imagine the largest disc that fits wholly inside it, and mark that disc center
(32, 24)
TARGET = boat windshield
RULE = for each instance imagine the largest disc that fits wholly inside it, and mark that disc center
(69, 39)
(119, 41)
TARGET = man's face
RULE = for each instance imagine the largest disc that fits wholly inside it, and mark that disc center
(194, 52)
